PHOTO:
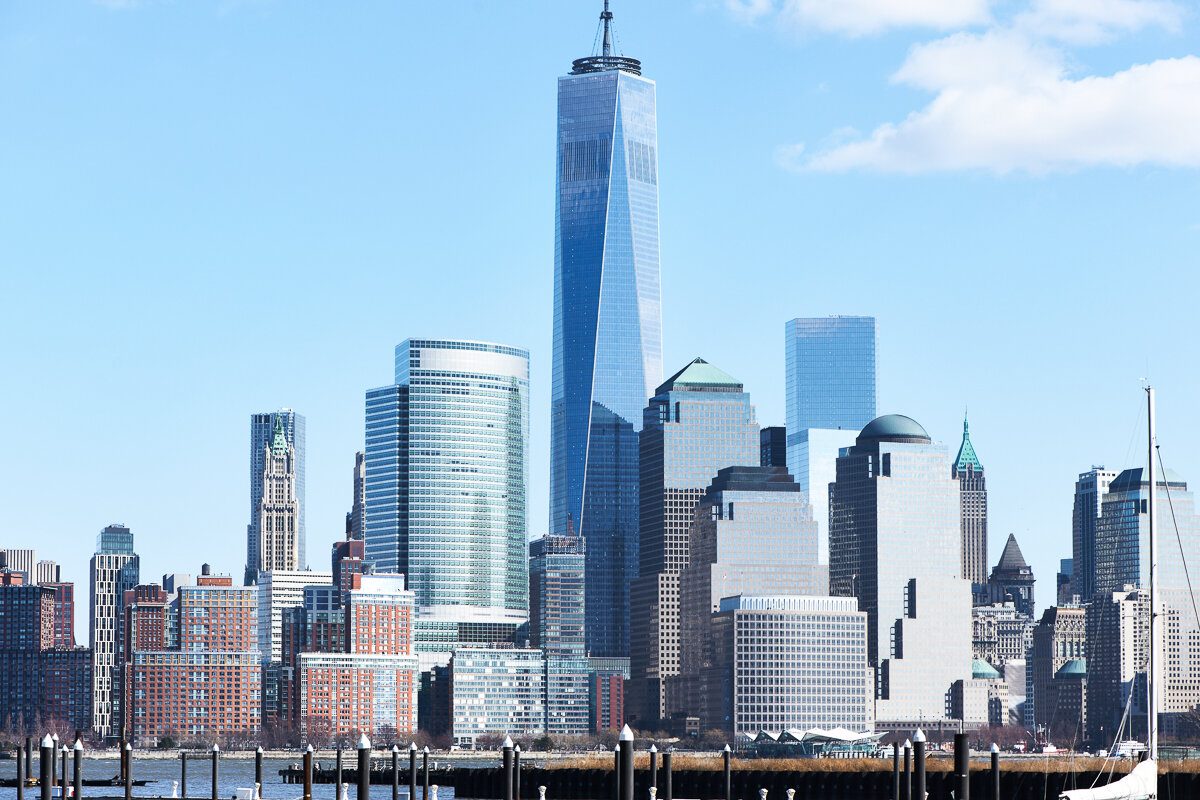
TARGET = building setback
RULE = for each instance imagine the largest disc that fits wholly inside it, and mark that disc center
(447, 453)
(1090, 489)
(699, 421)
(115, 569)
(607, 355)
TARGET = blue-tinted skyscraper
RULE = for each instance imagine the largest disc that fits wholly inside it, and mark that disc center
(607, 326)
(446, 472)
(262, 432)
(830, 373)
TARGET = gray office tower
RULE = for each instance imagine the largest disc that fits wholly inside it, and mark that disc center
(447, 461)
(607, 325)
(115, 569)
(1089, 494)
(262, 432)
(698, 422)
(556, 619)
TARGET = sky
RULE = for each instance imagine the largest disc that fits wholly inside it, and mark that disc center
(219, 207)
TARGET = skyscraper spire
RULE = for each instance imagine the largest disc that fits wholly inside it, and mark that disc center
(606, 20)
(278, 437)
(966, 452)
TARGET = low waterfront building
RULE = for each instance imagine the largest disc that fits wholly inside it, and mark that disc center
(783, 662)
(981, 701)
(496, 691)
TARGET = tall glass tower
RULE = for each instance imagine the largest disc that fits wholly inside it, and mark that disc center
(830, 373)
(607, 325)
(446, 472)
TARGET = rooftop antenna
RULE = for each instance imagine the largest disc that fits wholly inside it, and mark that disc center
(606, 20)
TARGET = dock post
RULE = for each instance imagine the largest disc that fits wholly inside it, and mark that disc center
(995, 771)
(653, 766)
(28, 757)
(895, 771)
(78, 749)
(412, 771)
(183, 775)
(128, 752)
(308, 772)
(364, 767)
(425, 773)
(506, 763)
(625, 743)
(21, 774)
(906, 784)
(62, 774)
(667, 795)
(395, 771)
(46, 766)
(54, 763)
(216, 758)
(517, 772)
(727, 758)
(919, 764)
(616, 776)
(258, 776)
(962, 766)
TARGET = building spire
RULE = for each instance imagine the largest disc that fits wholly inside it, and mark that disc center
(606, 20)
(278, 438)
(966, 452)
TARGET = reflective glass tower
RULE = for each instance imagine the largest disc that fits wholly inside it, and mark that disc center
(607, 326)
(446, 473)
(830, 373)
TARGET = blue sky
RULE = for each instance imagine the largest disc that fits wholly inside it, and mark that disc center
(214, 208)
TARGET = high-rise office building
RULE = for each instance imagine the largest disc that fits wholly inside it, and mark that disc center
(968, 471)
(1065, 581)
(1090, 489)
(278, 513)
(64, 613)
(1118, 648)
(262, 436)
(607, 322)
(893, 517)
(830, 373)
(772, 446)
(751, 533)
(354, 517)
(446, 468)
(115, 569)
(46, 571)
(699, 421)
(556, 620)
(812, 461)
(1012, 579)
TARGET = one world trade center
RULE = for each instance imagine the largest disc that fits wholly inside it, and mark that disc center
(607, 324)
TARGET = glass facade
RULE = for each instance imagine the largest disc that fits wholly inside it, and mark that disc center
(1090, 489)
(446, 474)
(262, 429)
(607, 327)
(830, 374)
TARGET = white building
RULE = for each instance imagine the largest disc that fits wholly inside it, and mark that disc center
(496, 691)
(21, 560)
(115, 568)
(789, 662)
(279, 590)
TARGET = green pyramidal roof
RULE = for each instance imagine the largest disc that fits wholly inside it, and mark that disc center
(700, 375)
(966, 453)
(278, 438)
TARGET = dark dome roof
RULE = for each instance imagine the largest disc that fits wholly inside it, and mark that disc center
(893, 428)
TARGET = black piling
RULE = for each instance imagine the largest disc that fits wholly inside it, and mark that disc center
(21, 774)
(626, 752)
(425, 773)
(517, 772)
(258, 776)
(78, 753)
(46, 766)
(308, 772)
(727, 767)
(667, 775)
(337, 792)
(506, 761)
(653, 766)
(216, 760)
(395, 772)
(62, 774)
(412, 771)
(896, 771)
(919, 765)
(364, 768)
(906, 784)
(616, 775)
(183, 775)
(28, 757)
(127, 750)
(962, 767)
(995, 772)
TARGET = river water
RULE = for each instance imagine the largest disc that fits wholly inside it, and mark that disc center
(234, 773)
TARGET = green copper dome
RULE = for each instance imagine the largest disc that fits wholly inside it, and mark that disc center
(983, 670)
(893, 428)
(1074, 668)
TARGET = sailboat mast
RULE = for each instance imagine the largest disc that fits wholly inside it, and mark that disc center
(1154, 680)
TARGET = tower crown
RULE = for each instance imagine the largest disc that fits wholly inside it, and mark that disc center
(605, 61)
(966, 452)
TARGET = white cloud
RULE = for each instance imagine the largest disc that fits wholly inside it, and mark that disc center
(965, 60)
(1147, 114)
(1095, 21)
(864, 17)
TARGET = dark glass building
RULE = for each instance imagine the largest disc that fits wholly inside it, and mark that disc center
(607, 326)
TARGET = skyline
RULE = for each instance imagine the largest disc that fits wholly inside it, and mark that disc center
(145, 245)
